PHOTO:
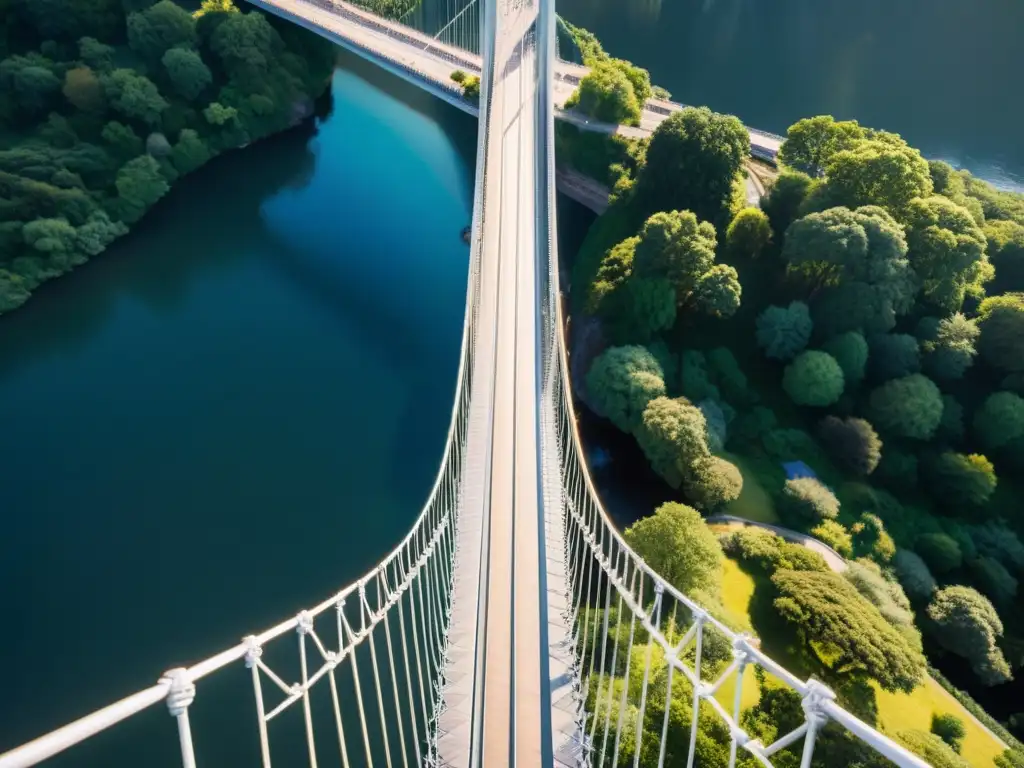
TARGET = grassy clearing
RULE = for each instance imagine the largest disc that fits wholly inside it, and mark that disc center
(742, 594)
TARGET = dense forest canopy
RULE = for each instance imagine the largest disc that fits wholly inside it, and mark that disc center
(106, 103)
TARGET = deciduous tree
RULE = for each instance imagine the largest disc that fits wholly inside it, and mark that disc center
(783, 332)
(187, 71)
(673, 436)
(907, 407)
(1001, 319)
(813, 378)
(964, 622)
(160, 27)
(621, 382)
(852, 443)
(748, 233)
(677, 543)
(850, 350)
(811, 143)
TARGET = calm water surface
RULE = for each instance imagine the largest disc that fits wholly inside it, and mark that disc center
(944, 73)
(234, 411)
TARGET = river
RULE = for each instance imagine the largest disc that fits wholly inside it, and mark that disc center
(943, 73)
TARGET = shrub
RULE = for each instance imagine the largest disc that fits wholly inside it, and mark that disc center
(621, 382)
(852, 443)
(870, 539)
(782, 332)
(813, 378)
(914, 575)
(907, 407)
(958, 481)
(940, 551)
(713, 482)
(850, 350)
(933, 749)
(892, 356)
(964, 622)
(677, 543)
(807, 502)
(994, 580)
(459, 76)
(950, 729)
(835, 535)
(999, 420)
(769, 552)
(748, 233)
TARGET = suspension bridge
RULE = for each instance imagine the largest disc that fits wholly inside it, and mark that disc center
(512, 625)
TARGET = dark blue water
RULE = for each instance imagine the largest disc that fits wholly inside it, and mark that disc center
(236, 410)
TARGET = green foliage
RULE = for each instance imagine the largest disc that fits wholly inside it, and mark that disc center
(768, 552)
(189, 152)
(139, 185)
(1011, 758)
(134, 96)
(961, 482)
(782, 332)
(1005, 241)
(789, 445)
(870, 539)
(811, 143)
(695, 380)
(886, 595)
(828, 611)
(882, 170)
(907, 407)
(813, 378)
(676, 542)
(806, 502)
(835, 535)
(187, 72)
(994, 539)
(650, 307)
(247, 47)
(892, 356)
(785, 198)
(936, 752)
(852, 444)
(607, 94)
(859, 258)
(160, 27)
(999, 420)
(701, 146)
(621, 383)
(718, 291)
(850, 350)
(947, 250)
(471, 88)
(82, 88)
(748, 233)
(1001, 319)
(940, 552)
(964, 622)
(220, 115)
(897, 469)
(729, 376)
(673, 436)
(948, 345)
(914, 575)
(994, 580)
(459, 76)
(30, 81)
(123, 141)
(95, 54)
(713, 482)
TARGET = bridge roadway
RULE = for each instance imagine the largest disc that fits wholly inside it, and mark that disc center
(428, 63)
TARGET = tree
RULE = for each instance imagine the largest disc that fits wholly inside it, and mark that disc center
(892, 356)
(807, 502)
(812, 142)
(673, 436)
(828, 612)
(996, 540)
(748, 233)
(947, 250)
(650, 307)
(707, 150)
(852, 444)
(190, 152)
(713, 482)
(951, 427)
(835, 535)
(674, 245)
(677, 543)
(247, 46)
(30, 80)
(605, 296)
(607, 94)
(187, 71)
(908, 407)
(1001, 320)
(621, 382)
(134, 95)
(93, 237)
(950, 349)
(782, 332)
(936, 752)
(994, 580)
(139, 185)
(82, 88)
(957, 480)
(939, 551)
(813, 378)
(964, 622)
(883, 171)
(95, 54)
(157, 145)
(886, 595)
(1000, 420)
(785, 198)
(160, 27)
(850, 350)
(124, 142)
(870, 539)
(950, 729)
(1005, 241)
(914, 575)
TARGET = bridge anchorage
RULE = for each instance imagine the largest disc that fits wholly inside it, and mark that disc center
(512, 624)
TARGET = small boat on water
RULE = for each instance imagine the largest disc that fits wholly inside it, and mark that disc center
(467, 234)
